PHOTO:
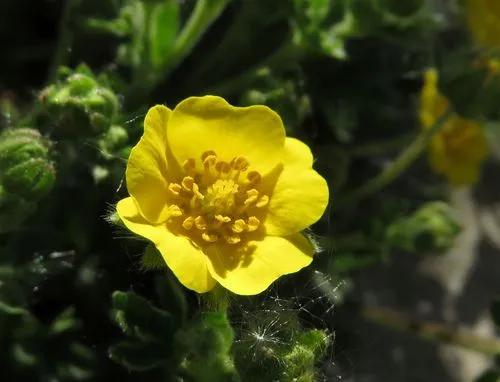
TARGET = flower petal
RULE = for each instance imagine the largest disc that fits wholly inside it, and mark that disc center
(147, 166)
(200, 124)
(188, 263)
(300, 195)
(251, 272)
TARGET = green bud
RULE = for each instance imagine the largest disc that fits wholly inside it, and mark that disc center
(114, 139)
(309, 347)
(25, 166)
(433, 227)
(80, 102)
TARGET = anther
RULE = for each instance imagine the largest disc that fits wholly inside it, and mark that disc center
(200, 223)
(196, 191)
(187, 183)
(188, 223)
(211, 238)
(252, 196)
(239, 226)
(253, 177)
(232, 239)
(174, 188)
(263, 201)
(206, 154)
(222, 219)
(175, 210)
(223, 167)
(240, 163)
(253, 223)
(209, 161)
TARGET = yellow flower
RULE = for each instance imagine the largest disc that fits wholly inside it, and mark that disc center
(459, 148)
(223, 194)
(483, 18)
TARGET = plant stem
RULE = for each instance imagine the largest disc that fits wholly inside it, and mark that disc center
(65, 39)
(217, 300)
(204, 13)
(432, 331)
(398, 166)
(381, 147)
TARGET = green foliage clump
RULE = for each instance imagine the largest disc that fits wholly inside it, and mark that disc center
(25, 338)
(156, 340)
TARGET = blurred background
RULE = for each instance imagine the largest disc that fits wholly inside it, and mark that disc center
(400, 104)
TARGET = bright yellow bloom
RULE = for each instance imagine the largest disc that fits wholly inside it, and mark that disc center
(459, 148)
(223, 194)
(483, 18)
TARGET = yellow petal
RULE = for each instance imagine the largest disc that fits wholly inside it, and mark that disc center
(459, 150)
(187, 263)
(200, 124)
(147, 166)
(483, 18)
(251, 272)
(300, 195)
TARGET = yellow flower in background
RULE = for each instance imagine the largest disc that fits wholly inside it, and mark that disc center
(459, 148)
(223, 194)
(483, 19)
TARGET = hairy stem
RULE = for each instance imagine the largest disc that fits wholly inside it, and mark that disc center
(398, 166)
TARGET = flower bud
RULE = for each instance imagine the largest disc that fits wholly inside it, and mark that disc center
(25, 166)
(80, 102)
(433, 227)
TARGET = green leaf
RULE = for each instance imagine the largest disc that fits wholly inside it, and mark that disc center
(163, 28)
(138, 356)
(137, 317)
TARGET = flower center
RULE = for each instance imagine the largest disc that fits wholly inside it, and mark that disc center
(217, 200)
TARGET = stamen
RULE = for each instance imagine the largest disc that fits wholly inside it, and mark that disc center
(216, 198)
(239, 226)
(175, 210)
(253, 223)
(252, 194)
(188, 223)
(200, 223)
(174, 188)
(209, 161)
(263, 201)
(223, 167)
(240, 164)
(187, 183)
(197, 193)
(211, 238)
(208, 153)
(222, 219)
(232, 239)
(253, 177)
